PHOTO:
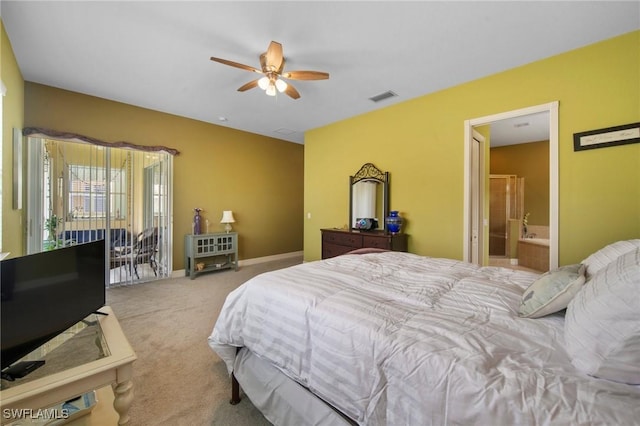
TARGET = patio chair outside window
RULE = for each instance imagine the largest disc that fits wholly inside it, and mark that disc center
(143, 251)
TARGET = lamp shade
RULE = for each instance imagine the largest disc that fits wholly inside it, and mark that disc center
(271, 89)
(263, 83)
(281, 85)
(227, 217)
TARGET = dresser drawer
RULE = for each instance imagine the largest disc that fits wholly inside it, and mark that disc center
(343, 239)
(336, 242)
(382, 242)
(333, 250)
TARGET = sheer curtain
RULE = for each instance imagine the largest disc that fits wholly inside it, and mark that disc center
(80, 191)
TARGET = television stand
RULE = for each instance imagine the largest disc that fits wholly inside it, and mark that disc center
(20, 369)
(95, 357)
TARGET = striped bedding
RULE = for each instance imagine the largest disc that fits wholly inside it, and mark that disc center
(399, 339)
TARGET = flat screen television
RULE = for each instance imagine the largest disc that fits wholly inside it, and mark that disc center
(43, 294)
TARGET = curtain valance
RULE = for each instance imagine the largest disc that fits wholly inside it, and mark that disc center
(66, 136)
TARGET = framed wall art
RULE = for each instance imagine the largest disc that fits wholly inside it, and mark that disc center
(610, 136)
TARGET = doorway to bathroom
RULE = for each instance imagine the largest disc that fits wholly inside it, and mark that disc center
(477, 198)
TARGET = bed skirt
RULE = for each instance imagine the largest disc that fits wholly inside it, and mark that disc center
(280, 399)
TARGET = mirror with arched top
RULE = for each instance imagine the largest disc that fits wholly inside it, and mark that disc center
(368, 197)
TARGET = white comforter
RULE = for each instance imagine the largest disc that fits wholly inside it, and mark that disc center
(399, 339)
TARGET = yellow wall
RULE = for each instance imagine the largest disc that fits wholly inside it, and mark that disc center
(258, 178)
(421, 143)
(12, 117)
(531, 162)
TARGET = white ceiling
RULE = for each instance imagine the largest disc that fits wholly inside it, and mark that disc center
(156, 54)
(523, 129)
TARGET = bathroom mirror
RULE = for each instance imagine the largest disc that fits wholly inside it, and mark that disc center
(368, 196)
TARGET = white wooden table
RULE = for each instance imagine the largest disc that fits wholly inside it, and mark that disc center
(115, 368)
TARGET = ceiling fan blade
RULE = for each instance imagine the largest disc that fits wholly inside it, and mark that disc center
(235, 64)
(263, 63)
(249, 85)
(291, 91)
(306, 75)
(274, 56)
(265, 67)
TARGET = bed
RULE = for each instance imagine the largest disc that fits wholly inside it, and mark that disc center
(392, 338)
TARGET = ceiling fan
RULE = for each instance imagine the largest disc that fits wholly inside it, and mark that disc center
(272, 65)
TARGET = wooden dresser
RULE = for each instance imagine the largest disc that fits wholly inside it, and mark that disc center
(340, 241)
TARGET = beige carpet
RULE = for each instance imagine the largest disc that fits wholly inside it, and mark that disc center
(178, 379)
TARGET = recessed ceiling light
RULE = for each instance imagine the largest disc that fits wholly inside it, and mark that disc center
(222, 118)
(284, 131)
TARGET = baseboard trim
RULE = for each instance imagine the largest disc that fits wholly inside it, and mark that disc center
(254, 261)
(282, 256)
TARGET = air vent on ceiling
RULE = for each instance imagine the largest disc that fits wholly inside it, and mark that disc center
(382, 96)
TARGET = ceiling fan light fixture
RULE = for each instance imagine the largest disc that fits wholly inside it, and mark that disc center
(281, 85)
(263, 83)
(271, 67)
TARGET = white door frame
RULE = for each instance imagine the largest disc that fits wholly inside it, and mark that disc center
(468, 246)
(477, 190)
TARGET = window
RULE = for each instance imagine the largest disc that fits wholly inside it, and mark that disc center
(89, 189)
(88, 192)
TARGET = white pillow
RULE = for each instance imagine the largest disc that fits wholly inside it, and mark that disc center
(552, 292)
(608, 254)
(602, 323)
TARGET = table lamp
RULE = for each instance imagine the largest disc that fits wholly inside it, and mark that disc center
(227, 219)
